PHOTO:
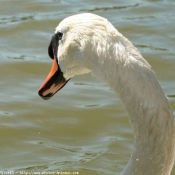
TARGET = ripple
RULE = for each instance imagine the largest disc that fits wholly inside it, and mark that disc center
(171, 96)
(92, 105)
(140, 17)
(31, 168)
(152, 47)
(110, 8)
(15, 19)
(22, 57)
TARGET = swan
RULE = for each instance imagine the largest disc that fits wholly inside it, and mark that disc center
(86, 43)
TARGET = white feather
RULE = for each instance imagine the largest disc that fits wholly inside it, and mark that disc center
(91, 44)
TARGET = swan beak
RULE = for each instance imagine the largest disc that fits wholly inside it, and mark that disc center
(53, 83)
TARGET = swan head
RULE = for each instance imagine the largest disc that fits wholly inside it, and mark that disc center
(73, 48)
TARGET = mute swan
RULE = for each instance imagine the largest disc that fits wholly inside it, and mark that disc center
(86, 43)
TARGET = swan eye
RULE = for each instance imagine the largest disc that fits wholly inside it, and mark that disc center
(59, 34)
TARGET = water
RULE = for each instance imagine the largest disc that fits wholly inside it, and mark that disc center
(83, 128)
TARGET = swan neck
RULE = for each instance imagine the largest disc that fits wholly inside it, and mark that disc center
(132, 78)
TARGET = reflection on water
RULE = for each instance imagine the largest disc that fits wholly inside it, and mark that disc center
(84, 127)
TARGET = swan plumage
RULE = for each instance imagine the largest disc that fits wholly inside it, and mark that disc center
(90, 43)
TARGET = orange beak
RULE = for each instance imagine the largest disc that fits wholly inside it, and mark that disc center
(53, 83)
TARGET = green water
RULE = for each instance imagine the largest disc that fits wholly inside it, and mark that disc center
(84, 128)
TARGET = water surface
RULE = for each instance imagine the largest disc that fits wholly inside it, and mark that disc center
(84, 127)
